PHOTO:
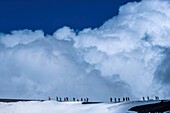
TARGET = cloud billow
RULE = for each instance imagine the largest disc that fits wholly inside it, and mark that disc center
(125, 56)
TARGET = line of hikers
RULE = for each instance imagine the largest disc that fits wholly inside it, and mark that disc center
(156, 98)
(65, 99)
(119, 100)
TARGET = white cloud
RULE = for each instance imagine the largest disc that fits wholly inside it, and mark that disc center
(130, 44)
(64, 33)
(21, 37)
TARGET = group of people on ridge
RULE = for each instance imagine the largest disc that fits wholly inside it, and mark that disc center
(119, 100)
(156, 98)
(65, 99)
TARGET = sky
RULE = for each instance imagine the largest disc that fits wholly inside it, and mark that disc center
(49, 15)
(126, 54)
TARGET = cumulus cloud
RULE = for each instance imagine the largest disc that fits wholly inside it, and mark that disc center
(127, 56)
(45, 65)
(130, 44)
(20, 37)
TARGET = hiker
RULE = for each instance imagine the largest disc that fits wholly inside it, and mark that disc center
(56, 98)
(115, 100)
(156, 98)
(123, 99)
(111, 99)
(84, 99)
(143, 98)
(49, 98)
(81, 99)
(118, 99)
(66, 98)
(87, 99)
(74, 99)
(128, 99)
(60, 99)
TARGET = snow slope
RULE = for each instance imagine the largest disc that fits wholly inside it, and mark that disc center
(69, 107)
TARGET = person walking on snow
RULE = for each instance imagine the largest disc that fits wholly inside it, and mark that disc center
(111, 99)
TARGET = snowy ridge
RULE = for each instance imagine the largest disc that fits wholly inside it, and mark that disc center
(69, 107)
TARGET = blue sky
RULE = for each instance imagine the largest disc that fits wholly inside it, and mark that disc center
(49, 15)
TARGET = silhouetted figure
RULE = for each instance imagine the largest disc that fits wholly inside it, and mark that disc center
(87, 99)
(74, 99)
(143, 98)
(84, 99)
(148, 97)
(66, 98)
(156, 98)
(49, 98)
(111, 100)
(128, 99)
(118, 99)
(115, 100)
(56, 98)
(60, 99)
(81, 99)
(123, 99)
